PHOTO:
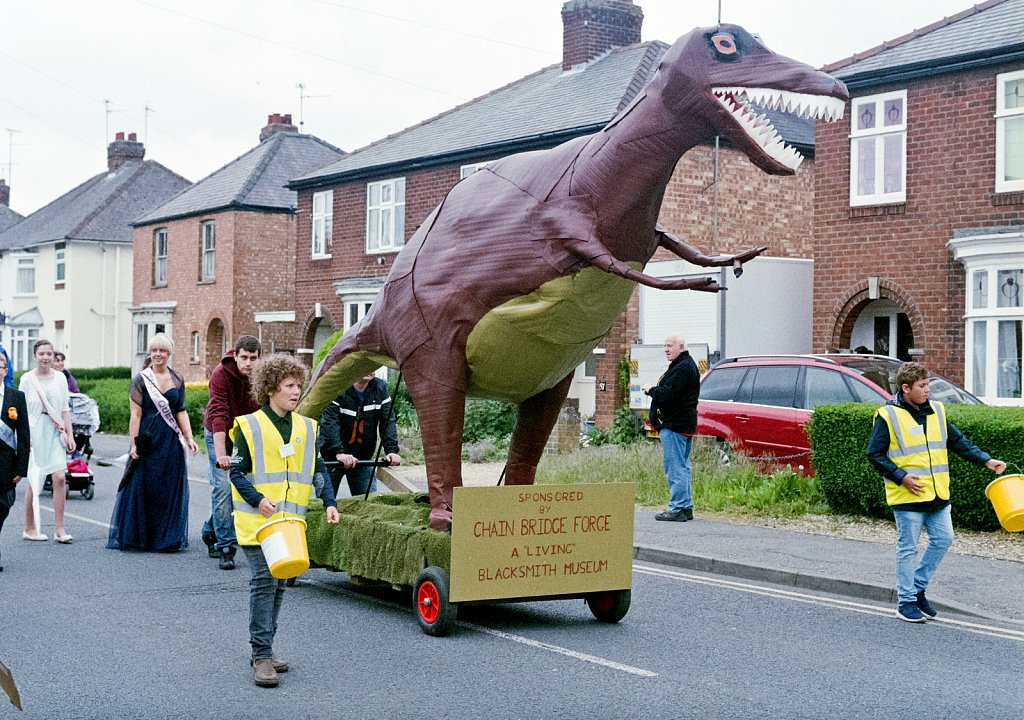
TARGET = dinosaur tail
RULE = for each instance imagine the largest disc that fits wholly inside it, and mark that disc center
(344, 364)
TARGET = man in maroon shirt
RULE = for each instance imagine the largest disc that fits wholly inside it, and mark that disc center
(230, 397)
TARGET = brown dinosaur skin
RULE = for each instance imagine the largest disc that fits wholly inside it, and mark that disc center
(521, 224)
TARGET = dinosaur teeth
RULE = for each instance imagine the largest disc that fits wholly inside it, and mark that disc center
(739, 101)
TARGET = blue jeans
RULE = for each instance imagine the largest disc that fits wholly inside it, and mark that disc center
(913, 577)
(675, 449)
(221, 521)
(358, 478)
(265, 595)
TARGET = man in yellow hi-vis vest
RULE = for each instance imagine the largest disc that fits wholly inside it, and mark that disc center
(908, 446)
(272, 473)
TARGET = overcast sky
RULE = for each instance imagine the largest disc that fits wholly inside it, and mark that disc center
(212, 70)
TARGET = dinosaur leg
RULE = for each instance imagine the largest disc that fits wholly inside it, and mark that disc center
(537, 417)
(441, 411)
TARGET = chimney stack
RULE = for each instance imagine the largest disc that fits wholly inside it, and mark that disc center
(590, 28)
(121, 151)
(5, 193)
(277, 123)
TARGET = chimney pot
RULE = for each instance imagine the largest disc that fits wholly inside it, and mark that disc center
(277, 123)
(121, 151)
(131, 137)
(119, 136)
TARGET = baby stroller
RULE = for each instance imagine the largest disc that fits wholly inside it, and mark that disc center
(85, 420)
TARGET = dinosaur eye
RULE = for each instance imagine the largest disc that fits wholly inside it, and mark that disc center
(725, 44)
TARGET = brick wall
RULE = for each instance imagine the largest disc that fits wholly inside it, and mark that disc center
(252, 275)
(950, 186)
(592, 27)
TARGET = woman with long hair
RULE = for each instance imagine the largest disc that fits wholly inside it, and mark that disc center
(46, 394)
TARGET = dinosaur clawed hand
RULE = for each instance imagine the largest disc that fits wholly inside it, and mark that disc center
(705, 284)
(737, 260)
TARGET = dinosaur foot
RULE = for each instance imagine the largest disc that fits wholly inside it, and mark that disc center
(441, 520)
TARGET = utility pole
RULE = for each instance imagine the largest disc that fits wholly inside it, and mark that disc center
(302, 96)
(10, 153)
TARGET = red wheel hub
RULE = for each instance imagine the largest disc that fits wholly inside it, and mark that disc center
(604, 602)
(428, 602)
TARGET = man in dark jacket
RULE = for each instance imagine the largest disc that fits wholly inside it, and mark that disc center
(349, 428)
(14, 443)
(674, 414)
(230, 397)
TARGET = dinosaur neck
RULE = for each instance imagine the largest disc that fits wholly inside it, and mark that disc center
(625, 169)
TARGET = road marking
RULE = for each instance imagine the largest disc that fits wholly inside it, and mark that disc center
(558, 649)
(78, 517)
(852, 606)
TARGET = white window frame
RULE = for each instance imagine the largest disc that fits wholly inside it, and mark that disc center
(25, 262)
(385, 218)
(1003, 117)
(466, 170)
(60, 262)
(322, 225)
(879, 135)
(195, 346)
(160, 258)
(22, 340)
(208, 256)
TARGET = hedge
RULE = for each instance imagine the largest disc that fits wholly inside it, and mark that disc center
(839, 437)
(111, 395)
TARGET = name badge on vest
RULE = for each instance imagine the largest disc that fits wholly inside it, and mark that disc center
(917, 430)
(286, 450)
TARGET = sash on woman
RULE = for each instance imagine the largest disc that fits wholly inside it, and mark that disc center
(162, 406)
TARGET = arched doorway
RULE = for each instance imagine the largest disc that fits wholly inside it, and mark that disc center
(215, 346)
(882, 328)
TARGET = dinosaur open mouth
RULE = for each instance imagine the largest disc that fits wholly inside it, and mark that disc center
(741, 102)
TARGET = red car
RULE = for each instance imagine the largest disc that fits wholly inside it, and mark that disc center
(760, 404)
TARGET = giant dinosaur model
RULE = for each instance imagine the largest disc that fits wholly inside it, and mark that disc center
(517, 275)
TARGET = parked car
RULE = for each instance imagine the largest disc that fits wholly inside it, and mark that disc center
(760, 404)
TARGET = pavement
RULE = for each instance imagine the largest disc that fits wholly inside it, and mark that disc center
(965, 584)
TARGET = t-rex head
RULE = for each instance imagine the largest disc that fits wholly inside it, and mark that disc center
(726, 78)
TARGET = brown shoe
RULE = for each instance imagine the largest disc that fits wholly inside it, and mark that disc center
(279, 664)
(263, 673)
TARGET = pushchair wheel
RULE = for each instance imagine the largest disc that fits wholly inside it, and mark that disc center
(89, 491)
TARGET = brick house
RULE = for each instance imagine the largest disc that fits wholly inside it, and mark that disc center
(215, 261)
(66, 269)
(919, 202)
(357, 213)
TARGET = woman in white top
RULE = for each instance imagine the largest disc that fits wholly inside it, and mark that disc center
(46, 395)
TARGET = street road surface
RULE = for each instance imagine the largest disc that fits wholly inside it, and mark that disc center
(96, 633)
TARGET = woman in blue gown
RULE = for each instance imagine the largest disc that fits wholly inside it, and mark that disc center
(151, 508)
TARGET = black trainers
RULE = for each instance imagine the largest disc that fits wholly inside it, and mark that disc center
(227, 559)
(211, 544)
(924, 606)
(678, 516)
(910, 612)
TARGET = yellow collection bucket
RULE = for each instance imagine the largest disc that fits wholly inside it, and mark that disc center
(284, 546)
(1007, 497)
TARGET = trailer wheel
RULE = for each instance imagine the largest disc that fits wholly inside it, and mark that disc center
(435, 614)
(610, 606)
(89, 491)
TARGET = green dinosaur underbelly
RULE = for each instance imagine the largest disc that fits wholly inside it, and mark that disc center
(530, 343)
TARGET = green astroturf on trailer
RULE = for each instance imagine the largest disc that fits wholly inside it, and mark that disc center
(383, 538)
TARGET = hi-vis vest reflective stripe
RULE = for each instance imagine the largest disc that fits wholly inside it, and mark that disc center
(919, 451)
(286, 481)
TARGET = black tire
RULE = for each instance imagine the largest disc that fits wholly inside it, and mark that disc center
(435, 614)
(609, 606)
(89, 492)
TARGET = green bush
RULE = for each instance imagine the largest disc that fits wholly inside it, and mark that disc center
(488, 419)
(325, 347)
(839, 437)
(625, 427)
(111, 396)
(120, 372)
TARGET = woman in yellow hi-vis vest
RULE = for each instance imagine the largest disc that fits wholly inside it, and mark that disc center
(272, 473)
(909, 446)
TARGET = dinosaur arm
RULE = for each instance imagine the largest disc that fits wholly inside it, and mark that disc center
(595, 253)
(693, 255)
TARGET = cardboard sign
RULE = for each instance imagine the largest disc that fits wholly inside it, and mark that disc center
(525, 541)
(8, 686)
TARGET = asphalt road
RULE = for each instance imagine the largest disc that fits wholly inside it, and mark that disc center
(96, 633)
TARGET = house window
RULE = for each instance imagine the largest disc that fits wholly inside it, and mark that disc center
(354, 312)
(323, 221)
(26, 279)
(385, 215)
(209, 234)
(60, 260)
(1010, 131)
(22, 340)
(466, 170)
(195, 347)
(160, 257)
(995, 363)
(878, 149)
